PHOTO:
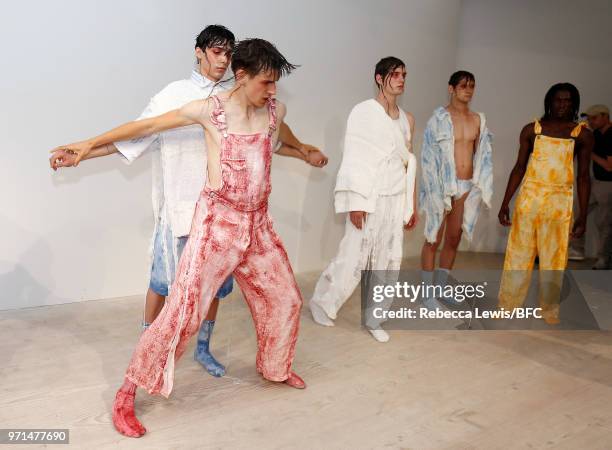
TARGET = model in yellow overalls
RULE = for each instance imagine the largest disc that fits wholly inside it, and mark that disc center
(541, 224)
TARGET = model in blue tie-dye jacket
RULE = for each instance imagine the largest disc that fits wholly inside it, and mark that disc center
(438, 176)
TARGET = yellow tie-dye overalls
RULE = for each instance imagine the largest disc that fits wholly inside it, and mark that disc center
(541, 224)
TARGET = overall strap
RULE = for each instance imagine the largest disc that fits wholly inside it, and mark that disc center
(272, 114)
(537, 127)
(578, 128)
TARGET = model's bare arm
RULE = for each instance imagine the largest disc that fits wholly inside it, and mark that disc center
(584, 147)
(66, 158)
(187, 115)
(293, 147)
(287, 150)
(517, 174)
(414, 220)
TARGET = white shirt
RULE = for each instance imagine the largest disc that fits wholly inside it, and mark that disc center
(179, 156)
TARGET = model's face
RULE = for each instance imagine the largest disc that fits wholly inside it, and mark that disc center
(464, 91)
(214, 61)
(561, 106)
(598, 121)
(395, 82)
(260, 88)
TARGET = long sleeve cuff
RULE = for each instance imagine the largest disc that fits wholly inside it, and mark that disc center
(346, 201)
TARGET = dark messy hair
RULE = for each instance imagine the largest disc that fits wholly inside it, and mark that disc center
(550, 95)
(215, 36)
(459, 76)
(385, 67)
(257, 55)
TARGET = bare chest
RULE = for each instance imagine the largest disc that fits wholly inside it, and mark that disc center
(466, 129)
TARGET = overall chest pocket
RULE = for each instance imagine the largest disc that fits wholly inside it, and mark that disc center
(235, 174)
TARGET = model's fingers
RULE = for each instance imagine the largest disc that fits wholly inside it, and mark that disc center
(79, 155)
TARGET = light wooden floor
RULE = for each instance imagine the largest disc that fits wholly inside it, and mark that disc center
(61, 366)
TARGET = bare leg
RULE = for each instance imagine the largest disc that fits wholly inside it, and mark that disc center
(212, 311)
(153, 305)
(452, 235)
(124, 416)
(428, 252)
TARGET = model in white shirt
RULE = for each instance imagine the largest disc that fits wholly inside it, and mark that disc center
(179, 170)
(376, 186)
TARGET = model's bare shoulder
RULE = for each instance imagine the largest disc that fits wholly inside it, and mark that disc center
(475, 118)
(198, 110)
(528, 131)
(410, 118)
(281, 111)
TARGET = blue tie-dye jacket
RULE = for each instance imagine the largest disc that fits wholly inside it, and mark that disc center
(439, 179)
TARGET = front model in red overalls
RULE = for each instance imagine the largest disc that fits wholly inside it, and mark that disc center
(231, 233)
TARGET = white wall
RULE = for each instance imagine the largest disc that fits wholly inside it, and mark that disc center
(517, 50)
(71, 69)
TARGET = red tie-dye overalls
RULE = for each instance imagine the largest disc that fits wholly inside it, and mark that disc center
(231, 233)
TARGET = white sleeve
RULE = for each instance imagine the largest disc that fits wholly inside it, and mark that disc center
(346, 201)
(132, 149)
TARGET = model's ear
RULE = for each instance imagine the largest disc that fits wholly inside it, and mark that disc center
(451, 90)
(379, 80)
(241, 76)
(199, 54)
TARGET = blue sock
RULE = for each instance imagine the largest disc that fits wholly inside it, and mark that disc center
(442, 280)
(429, 301)
(202, 353)
(442, 277)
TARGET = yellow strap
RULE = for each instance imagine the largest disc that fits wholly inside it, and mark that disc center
(537, 128)
(576, 131)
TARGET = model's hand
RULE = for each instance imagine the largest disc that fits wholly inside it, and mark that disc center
(315, 156)
(579, 228)
(412, 222)
(504, 216)
(80, 149)
(62, 158)
(358, 218)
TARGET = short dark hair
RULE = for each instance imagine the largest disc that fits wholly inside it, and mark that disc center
(459, 76)
(574, 97)
(385, 67)
(215, 36)
(257, 55)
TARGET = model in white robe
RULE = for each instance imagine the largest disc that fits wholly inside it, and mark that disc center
(377, 175)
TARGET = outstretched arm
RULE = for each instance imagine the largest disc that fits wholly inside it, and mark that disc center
(294, 148)
(187, 115)
(517, 174)
(584, 146)
(67, 158)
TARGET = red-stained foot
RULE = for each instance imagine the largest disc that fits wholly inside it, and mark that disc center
(295, 381)
(124, 417)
